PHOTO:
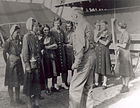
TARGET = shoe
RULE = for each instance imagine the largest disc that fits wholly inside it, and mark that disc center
(48, 91)
(41, 97)
(19, 101)
(124, 89)
(104, 87)
(37, 106)
(95, 86)
(53, 89)
(64, 86)
(13, 103)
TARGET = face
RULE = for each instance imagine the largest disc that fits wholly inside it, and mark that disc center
(119, 28)
(35, 27)
(103, 26)
(97, 26)
(16, 34)
(75, 18)
(46, 30)
(57, 24)
(69, 27)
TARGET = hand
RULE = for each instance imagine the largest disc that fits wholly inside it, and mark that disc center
(74, 66)
(117, 44)
(68, 45)
(27, 68)
(42, 51)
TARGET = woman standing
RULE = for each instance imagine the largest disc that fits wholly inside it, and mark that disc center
(31, 58)
(103, 62)
(14, 71)
(125, 67)
(61, 66)
(69, 48)
(49, 58)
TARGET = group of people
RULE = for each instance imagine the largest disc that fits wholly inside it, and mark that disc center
(51, 52)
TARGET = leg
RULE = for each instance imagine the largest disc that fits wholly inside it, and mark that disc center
(123, 81)
(64, 77)
(96, 79)
(104, 82)
(86, 91)
(76, 88)
(47, 90)
(127, 81)
(17, 93)
(36, 100)
(54, 87)
(11, 94)
(29, 103)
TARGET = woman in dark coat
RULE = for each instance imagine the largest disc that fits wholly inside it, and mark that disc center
(61, 66)
(14, 70)
(31, 58)
(49, 58)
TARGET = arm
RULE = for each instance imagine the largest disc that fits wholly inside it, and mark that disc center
(25, 54)
(121, 45)
(125, 42)
(104, 42)
(78, 59)
(107, 41)
(5, 50)
(53, 46)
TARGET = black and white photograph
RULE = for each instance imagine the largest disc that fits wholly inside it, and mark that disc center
(69, 53)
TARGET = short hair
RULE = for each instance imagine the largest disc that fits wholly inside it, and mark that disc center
(123, 25)
(103, 21)
(46, 25)
(97, 22)
(69, 22)
(57, 19)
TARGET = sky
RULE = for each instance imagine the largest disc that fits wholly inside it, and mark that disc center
(66, 14)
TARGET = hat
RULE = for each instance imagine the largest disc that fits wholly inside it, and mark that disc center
(13, 29)
(79, 10)
(29, 23)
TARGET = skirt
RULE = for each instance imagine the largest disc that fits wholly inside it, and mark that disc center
(32, 83)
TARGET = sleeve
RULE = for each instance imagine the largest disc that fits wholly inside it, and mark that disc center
(64, 37)
(6, 50)
(109, 39)
(78, 58)
(53, 40)
(25, 51)
(89, 41)
(126, 38)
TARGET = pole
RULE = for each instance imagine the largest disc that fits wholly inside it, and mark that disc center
(113, 36)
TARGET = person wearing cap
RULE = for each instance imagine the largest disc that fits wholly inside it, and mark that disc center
(84, 63)
(31, 57)
(125, 66)
(14, 71)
